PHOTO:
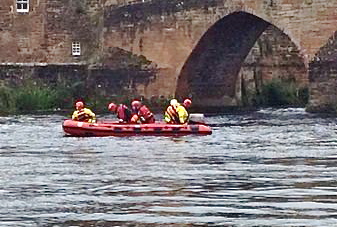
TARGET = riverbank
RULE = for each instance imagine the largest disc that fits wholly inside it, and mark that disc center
(34, 95)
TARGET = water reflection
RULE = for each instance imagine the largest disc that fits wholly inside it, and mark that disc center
(266, 168)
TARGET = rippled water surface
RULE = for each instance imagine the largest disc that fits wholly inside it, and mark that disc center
(266, 168)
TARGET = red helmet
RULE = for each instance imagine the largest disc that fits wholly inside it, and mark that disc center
(112, 107)
(79, 105)
(187, 102)
(136, 104)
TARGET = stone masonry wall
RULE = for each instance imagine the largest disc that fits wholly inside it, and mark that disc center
(273, 56)
(164, 32)
(323, 78)
(104, 83)
(21, 34)
(46, 33)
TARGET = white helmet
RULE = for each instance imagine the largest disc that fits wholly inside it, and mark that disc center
(173, 102)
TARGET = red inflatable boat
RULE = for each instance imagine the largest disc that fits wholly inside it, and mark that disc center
(104, 128)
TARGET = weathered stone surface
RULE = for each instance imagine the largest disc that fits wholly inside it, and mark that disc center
(323, 78)
(103, 82)
(168, 33)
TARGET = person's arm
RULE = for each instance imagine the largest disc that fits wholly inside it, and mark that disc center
(183, 115)
(74, 116)
(167, 117)
(92, 115)
(134, 118)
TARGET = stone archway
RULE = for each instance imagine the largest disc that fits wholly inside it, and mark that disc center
(211, 73)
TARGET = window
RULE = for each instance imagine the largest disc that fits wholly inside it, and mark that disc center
(22, 6)
(76, 48)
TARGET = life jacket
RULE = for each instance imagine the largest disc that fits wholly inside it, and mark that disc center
(182, 113)
(145, 115)
(172, 116)
(83, 116)
(123, 113)
(186, 108)
(176, 114)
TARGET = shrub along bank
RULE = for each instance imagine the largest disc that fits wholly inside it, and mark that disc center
(277, 93)
(36, 96)
(32, 98)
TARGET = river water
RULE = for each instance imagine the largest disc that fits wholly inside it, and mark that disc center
(272, 167)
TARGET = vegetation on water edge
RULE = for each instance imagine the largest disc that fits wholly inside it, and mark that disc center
(36, 96)
(277, 93)
(33, 97)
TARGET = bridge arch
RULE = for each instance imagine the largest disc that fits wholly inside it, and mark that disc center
(173, 35)
(210, 74)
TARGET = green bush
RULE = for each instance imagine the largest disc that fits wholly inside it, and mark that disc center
(30, 97)
(282, 93)
(37, 98)
(7, 99)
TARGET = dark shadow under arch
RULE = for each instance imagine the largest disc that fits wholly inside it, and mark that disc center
(210, 74)
(212, 68)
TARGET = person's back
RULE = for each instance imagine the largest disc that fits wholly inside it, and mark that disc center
(171, 115)
(176, 113)
(142, 113)
(182, 113)
(123, 113)
(146, 116)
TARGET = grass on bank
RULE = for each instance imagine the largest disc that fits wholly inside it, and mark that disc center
(277, 93)
(30, 98)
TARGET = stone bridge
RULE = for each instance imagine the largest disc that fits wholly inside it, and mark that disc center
(207, 48)
(215, 51)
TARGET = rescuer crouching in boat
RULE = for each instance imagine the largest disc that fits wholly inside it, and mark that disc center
(122, 111)
(187, 103)
(141, 113)
(83, 114)
(176, 113)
